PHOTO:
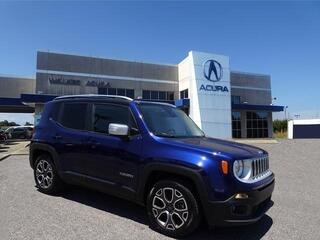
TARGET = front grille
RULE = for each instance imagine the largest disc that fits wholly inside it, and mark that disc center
(259, 166)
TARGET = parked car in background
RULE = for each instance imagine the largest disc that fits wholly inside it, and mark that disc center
(20, 132)
(3, 136)
(17, 132)
(30, 130)
(8, 132)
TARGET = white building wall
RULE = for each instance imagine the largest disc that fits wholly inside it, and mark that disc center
(211, 110)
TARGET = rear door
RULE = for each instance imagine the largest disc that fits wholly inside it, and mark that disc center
(18, 133)
(114, 159)
(70, 138)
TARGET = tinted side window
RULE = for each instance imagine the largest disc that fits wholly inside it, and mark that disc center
(18, 130)
(104, 114)
(55, 110)
(74, 116)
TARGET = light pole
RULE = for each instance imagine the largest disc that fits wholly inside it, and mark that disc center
(285, 112)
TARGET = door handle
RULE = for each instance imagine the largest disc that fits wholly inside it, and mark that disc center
(94, 144)
(57, 137)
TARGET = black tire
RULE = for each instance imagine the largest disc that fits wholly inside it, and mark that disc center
(172, 220)
(49, 187)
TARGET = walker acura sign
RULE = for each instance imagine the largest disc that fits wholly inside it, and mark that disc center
(75, 82)
(213, 71)
(62, 81)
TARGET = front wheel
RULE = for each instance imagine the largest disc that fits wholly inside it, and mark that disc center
(173, 209)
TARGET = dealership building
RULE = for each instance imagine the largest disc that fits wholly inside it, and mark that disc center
(222, 102)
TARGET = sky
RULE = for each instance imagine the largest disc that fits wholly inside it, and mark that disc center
(280, 38)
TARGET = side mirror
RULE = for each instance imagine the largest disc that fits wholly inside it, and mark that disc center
(117, 129)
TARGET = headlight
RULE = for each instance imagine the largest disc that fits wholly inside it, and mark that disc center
(238, 168)
(251, 170)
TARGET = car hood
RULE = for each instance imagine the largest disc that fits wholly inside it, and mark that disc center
(221, 147)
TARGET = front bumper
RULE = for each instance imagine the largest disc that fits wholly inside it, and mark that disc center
(240, 211)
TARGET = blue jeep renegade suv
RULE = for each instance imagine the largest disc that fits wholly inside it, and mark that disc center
(152, 154)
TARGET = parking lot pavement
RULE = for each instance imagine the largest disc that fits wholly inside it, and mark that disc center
(79, 213)
(17, 147)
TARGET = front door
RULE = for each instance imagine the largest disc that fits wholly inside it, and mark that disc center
(113, 159)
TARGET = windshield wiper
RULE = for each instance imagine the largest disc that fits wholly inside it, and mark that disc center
(163, 134)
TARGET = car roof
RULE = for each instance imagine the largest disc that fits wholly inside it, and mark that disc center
(106, 98)
(94, 97)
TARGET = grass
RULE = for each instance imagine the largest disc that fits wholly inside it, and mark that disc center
(280, 135)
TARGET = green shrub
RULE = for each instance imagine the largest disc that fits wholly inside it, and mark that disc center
(280, 125)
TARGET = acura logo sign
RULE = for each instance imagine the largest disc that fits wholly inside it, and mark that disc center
(212, 70)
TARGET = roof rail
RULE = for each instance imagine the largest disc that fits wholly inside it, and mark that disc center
(93, 95)
(167, 103)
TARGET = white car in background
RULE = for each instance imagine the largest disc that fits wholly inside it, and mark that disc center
(19, 132)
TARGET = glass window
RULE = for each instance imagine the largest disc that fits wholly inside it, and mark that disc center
(170, 96)
(154, 95)
(18, 130)
(235, 99)
(74, 115)
(236, 124)
(121, 91)
(104, 114)
(146, 94)
(184, 94)
(162, 95)
(103, 91)
(257, 124)
(157, 95)
(130, 93)
(54, 114)
(112, 91)
(168, 121)
(117, 91)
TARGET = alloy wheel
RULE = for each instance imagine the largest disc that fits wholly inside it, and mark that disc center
(44, 174)
(169, 208)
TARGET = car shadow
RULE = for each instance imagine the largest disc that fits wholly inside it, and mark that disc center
(252, 232)
(137, 213)
(106, 203)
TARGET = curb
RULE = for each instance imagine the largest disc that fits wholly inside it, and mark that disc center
(4, 157)
(12, 154)
(257, 141)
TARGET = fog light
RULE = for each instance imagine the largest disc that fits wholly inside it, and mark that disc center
(241, 196)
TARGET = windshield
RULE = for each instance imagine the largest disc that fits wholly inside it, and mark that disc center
(168, 121)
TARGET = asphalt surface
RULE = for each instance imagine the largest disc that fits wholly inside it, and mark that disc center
(13, 147)
(79, 213)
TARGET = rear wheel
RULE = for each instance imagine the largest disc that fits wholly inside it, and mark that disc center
(45, 175)
(173, 209)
